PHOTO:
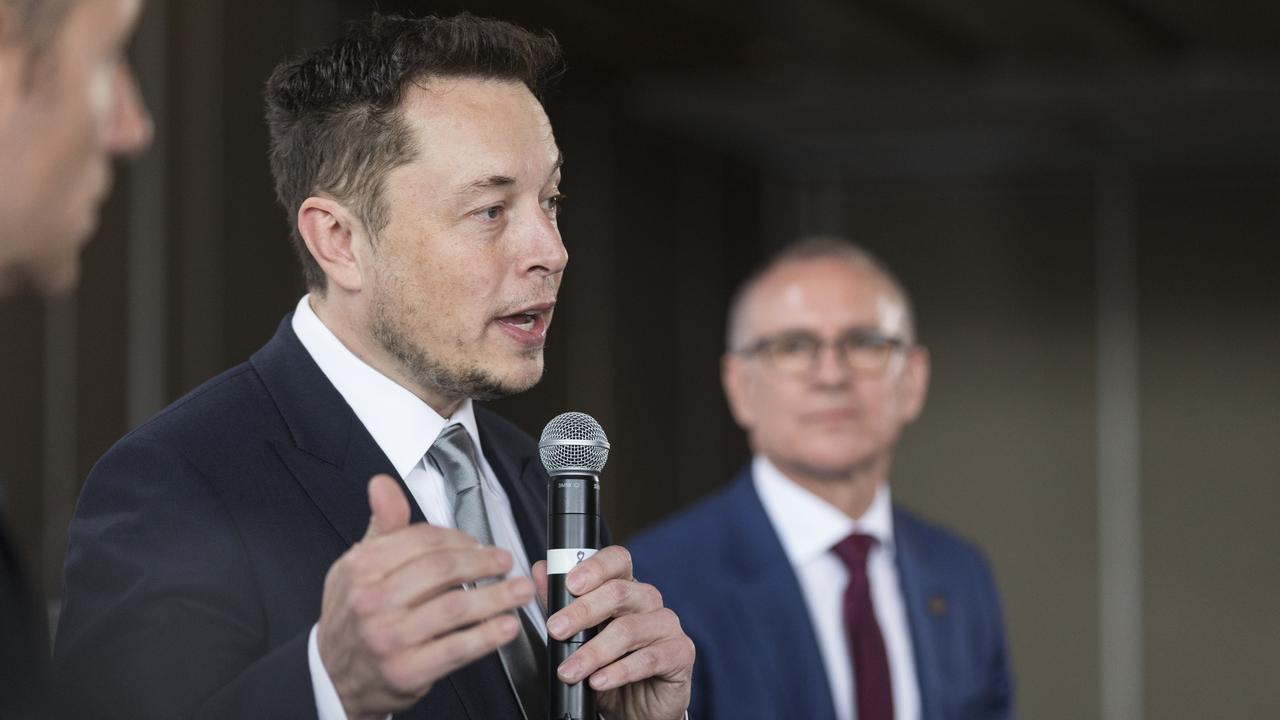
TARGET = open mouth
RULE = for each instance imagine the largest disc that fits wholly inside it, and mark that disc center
(529, 325)
(521, 321)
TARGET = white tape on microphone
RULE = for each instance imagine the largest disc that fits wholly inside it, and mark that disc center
(561, 560)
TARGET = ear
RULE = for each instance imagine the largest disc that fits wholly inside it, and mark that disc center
(335, 239)
(735, 380)
(913, 385)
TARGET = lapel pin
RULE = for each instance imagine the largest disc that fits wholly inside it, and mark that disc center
(937, 606)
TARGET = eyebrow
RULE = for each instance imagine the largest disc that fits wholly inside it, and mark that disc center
(493, 181)
(498, 181)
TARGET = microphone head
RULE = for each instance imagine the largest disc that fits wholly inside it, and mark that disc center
(573, 442)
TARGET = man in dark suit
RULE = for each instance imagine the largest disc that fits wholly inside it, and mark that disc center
(68, 103)
(807, 591)
(231, 557)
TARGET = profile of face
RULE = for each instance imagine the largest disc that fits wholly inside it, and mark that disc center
(835, 418)
(457, 290)
(64, 113)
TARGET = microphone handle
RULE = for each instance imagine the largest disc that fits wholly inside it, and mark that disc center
(573, 535)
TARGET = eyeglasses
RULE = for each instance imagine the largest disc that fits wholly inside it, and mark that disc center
(796, 353)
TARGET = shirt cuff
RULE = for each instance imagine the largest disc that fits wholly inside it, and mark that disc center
(328, 704)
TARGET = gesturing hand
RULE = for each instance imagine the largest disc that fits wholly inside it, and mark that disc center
(641, 663)
(394, 618)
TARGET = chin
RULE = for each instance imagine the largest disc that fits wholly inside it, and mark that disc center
(835, 462)
(522, 379)
(524, 370)
(492, 385)
(58, 280)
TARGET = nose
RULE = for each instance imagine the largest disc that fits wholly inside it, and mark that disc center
(129, 129)
(833, 367)
(546, 252)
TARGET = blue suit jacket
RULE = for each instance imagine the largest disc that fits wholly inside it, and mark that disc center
(201, 541)
(722, 569)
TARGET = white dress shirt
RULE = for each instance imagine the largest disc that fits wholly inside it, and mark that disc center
(809, 527)
(404, 427)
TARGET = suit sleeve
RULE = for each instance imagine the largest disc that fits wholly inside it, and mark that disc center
(700, 697)
(162, 616)
(1000, 704)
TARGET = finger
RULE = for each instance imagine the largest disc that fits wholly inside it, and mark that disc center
(613, 562)
(670, 659)
(614, 599)
(458, 609)
(373, 558)
(388, 507)
(539, 571)
(432, 573)
(624, 635)
(410, 671)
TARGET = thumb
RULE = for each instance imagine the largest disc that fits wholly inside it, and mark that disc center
(389, 509)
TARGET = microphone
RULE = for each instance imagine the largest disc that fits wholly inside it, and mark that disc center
(574, 450)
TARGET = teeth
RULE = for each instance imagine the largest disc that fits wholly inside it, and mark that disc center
(526, 324)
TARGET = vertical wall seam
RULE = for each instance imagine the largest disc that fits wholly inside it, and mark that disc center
(1119, 460)
(148, 227)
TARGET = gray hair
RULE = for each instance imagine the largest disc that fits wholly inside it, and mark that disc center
(815, 247)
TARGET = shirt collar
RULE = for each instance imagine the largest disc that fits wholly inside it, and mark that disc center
(402, 425)
(809, 526)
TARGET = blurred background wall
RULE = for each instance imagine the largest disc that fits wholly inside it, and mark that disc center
(1083, 196)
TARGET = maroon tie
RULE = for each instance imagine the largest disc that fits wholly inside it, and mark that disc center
(866, 645)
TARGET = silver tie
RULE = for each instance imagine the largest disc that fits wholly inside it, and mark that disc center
(523, 659)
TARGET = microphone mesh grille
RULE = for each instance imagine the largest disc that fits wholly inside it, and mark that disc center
(573, 440)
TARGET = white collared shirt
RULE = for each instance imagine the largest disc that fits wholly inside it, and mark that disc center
(809, 527)
(404, 428)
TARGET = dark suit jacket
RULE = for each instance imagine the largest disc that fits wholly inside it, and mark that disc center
(24, 640)
(722, 569)
(201, 541)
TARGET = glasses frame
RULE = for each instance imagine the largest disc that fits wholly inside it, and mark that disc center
(845, 345)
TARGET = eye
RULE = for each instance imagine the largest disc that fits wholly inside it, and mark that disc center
(554, 205)
(795, 345)
(489, 214)
(865, 341)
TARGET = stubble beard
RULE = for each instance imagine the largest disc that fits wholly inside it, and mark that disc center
(460, 380)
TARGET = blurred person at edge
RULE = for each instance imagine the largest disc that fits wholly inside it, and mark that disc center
(806, 590)
(232, 558)
(68, 104)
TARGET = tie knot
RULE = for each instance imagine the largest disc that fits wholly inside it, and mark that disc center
(454, 454)
(853, 550)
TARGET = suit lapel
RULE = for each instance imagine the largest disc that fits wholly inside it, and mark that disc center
(332, 455)
(773, 604)
(923, 594)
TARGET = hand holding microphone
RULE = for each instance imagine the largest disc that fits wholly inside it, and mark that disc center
(638, 666)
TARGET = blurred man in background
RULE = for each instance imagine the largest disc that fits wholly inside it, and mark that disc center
(231, 557)
(807, 592)
(68, 104)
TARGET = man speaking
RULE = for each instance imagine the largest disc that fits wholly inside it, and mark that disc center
(809, 593)
(232, 558)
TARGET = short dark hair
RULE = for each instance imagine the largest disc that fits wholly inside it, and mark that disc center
(814, 247)
(334, 114)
